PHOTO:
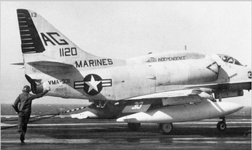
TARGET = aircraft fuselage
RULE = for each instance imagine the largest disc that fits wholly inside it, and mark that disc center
(135, 79)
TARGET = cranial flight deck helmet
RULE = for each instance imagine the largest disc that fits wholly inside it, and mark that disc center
(26, 89)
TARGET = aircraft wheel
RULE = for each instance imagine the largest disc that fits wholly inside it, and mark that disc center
(165, 128)
(134, 126)
(222, 126)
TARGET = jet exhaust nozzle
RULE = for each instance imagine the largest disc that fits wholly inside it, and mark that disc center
(35, 88)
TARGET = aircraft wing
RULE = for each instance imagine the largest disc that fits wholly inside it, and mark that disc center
(234, 85)
(202, 91)
(180, 93)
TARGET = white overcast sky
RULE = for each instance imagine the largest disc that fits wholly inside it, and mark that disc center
(125, 29)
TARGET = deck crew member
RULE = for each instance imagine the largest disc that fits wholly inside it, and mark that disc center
(22, 106)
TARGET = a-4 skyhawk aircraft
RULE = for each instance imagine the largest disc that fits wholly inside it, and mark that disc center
(156, 88)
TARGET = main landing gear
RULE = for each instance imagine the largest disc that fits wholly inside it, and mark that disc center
(165, 128)
(222, 126)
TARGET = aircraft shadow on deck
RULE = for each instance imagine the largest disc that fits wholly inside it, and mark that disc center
(110, 131)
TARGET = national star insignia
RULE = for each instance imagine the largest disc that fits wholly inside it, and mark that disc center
(92, 84)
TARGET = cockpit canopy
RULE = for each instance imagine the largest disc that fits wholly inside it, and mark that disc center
(229, 59)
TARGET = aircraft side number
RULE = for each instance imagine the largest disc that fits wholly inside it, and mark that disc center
(64, 52)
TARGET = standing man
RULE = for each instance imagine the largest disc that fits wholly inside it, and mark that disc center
(22, 106)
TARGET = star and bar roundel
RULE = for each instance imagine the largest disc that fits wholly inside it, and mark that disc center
(92, 84)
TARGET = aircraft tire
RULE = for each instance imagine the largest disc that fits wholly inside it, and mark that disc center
(165, 128)
(222, 126)
(134, 126)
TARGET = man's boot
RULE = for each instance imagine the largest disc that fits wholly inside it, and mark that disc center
(22, 137)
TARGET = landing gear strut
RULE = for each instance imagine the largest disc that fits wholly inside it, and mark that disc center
(134, 126)
(165, 128)
(222, 126)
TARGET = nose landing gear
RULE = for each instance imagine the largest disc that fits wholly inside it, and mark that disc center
(222, 126)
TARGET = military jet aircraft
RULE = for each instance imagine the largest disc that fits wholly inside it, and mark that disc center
(174, 86)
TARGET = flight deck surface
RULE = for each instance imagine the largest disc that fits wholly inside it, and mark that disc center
(110, 135)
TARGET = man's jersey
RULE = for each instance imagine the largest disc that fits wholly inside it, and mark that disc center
(24, 101)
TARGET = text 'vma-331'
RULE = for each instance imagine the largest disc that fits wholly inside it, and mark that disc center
(175, 86)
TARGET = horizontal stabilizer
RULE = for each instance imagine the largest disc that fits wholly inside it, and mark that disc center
(49, 63)
(18, 64)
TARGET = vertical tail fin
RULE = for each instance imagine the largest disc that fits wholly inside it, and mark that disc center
(39, 36)
(41, 42)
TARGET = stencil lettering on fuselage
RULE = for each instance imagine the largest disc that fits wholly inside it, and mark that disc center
(92, 84)
(161, 59)
(62, 81)
(93, 63)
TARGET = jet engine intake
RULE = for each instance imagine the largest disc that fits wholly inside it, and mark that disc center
(203, 72)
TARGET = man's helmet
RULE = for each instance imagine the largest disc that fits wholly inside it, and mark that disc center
(26, 89)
